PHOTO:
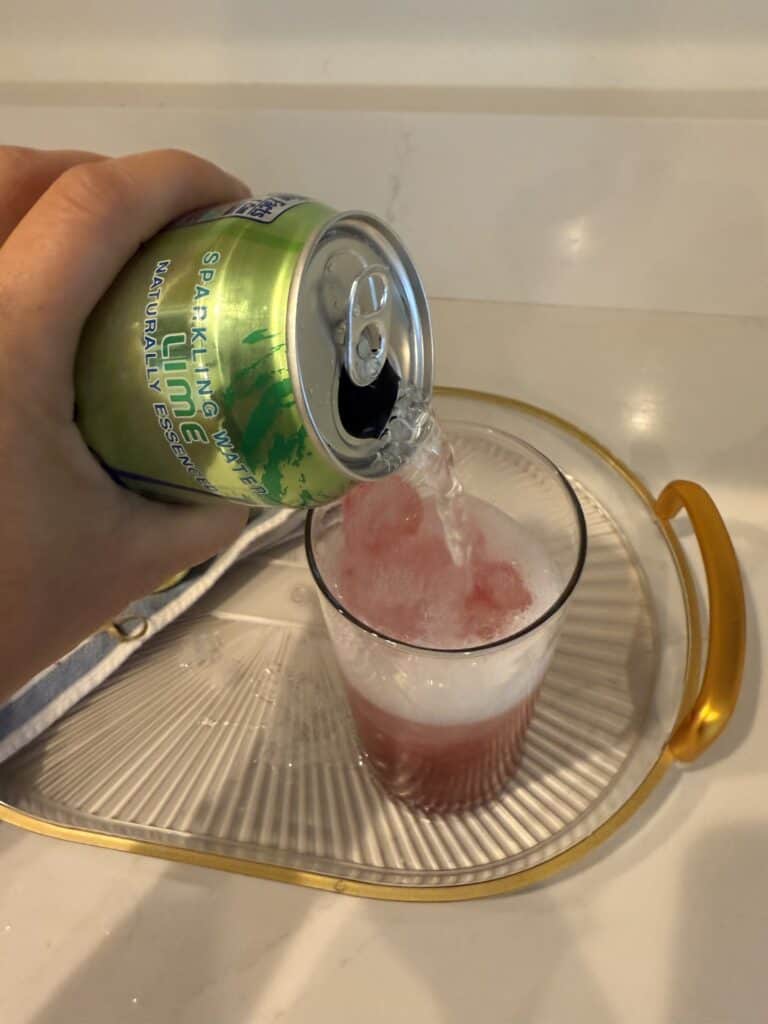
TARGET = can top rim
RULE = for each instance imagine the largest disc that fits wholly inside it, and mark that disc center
(315, 349)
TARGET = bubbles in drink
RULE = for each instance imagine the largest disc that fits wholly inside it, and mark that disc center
(378, 516)
(414, 442)
(409, 423)
(422, 561)
(398, 575)
(418, 560)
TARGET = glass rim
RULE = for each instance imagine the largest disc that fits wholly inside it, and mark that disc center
(552, 610)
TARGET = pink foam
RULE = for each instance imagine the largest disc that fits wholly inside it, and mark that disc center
(497, 595)
(377, 515)
(398, 576)
(500, 585)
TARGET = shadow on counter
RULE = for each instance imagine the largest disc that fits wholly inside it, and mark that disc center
(198, 947)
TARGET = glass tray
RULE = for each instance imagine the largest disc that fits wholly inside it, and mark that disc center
(226, 741)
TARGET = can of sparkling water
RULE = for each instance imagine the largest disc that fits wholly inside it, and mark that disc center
(255, 352)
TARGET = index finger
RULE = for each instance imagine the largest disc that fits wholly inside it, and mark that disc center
(63, 255)
(26, 173)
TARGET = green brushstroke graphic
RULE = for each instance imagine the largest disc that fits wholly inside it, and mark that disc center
(260, 334)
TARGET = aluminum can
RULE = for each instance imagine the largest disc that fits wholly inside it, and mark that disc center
(255, 352)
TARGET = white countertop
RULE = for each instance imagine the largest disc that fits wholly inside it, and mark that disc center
(666, 924)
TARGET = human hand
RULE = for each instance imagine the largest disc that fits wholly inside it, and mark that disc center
(76, 547)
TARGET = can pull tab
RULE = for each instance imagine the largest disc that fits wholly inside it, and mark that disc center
(367, 326)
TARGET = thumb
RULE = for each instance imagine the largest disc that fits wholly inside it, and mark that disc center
(168, 539)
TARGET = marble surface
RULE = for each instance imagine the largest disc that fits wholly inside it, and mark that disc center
(666, 924)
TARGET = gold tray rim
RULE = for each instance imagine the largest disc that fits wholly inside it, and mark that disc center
(472, 890)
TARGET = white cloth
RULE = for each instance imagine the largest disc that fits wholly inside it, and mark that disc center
(52, 692)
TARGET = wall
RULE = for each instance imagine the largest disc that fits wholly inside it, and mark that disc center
(669, 44)
(566, 153)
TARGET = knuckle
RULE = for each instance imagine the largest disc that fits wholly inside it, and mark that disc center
(17, 163)
(99, 188)
(181, 164)
(179, 157)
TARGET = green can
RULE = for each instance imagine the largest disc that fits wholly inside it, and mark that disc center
(255, 352)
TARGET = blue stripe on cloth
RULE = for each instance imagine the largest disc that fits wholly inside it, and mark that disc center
(56, 689)
(56, 680)
(53, 682)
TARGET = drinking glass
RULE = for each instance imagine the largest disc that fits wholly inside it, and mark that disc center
(443, 729)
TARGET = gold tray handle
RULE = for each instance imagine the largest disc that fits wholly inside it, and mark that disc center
(721, 680)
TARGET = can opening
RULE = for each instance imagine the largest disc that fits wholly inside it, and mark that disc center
(359, 340)
(364, 411)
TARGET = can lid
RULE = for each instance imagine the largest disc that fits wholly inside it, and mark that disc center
(359, 337)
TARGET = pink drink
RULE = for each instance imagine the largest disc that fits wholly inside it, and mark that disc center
(436, 569)
(441, 767)
(398, 574)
